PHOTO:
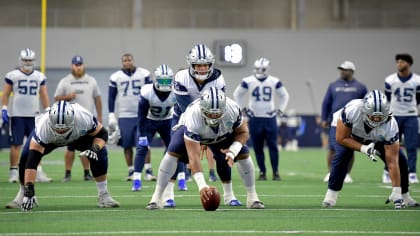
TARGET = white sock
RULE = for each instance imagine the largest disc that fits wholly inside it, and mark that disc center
(181, 175)
(39, 168)
(169, 191)
(228, 194)
(331, 196)
(247, 172)
(137, 175)
(167, 168)
(102, 187)
(147, 166)
(130, 168)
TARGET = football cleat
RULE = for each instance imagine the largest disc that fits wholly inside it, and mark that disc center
(106, 201)
(170, 203)
(276, 177)
(327, 204)
(412, 177)
(256, 205)
(67, 178)
(326, 178)
(41, 177)
(152, 206)
(212, 178)
(398, 204)
(15, 204)
(150, 177)
(87, 177)
(182, 185)
(13, 176)
(348, 179)
(409, 201)
(385, 178)
(136, 185)
(233, 202)
(262, 177)
(130, 175)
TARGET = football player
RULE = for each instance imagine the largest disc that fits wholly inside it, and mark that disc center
(366, 125)
(155, 110)
(65, 124)
(262, 89)
(215, 121)
(29, 87)
(403, 91)
(124, 90)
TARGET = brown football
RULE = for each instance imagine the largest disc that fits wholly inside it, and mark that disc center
(214, 199)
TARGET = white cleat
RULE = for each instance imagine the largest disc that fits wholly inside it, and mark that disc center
(15, 204)
(328, 204)
(13, 176)
(385, 178)
(150, 177)
(41, 177)
(409, 201)
(255, 205)
(326, 178)
(348, 179)
(412, 177)
(106, 201)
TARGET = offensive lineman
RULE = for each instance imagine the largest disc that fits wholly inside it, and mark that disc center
(215, 121)
(29, 87)
(65, 124)
(403, 91)
(155, 110)
(262, 113)
(366, 125)
(124, 91)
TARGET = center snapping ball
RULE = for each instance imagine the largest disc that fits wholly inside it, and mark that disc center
(214, 199)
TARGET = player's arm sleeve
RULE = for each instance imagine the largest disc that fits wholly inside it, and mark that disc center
(112, 95)
(326, 105)
(148, 80)
(240, 93)
(283, 96)
(388, 91)
(143, 108)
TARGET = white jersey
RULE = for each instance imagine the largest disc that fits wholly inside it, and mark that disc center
(128, 90)
(185, 85)
(158, 109)
(86, 89)
(84, 122)
(25, 88)
(261, 102)
(197, 130)
(403, 94)
(353, 116)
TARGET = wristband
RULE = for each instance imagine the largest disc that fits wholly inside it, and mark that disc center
(235, 148)
(364, 148)
(199, 179)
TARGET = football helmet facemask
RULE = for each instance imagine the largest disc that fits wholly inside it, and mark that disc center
(27, 59)
(61, 118)
(163, 78)
(213, 106)
(376, 108)
(261, 67)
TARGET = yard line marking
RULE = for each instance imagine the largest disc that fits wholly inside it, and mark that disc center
(218, 232)
(141, 208)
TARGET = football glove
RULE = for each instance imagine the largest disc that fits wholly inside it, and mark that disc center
(29, 199)
(114, 135)
(4, 115)
(370, 151)
(112, 121)
(89, 154)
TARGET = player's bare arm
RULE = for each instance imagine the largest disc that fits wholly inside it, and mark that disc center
(194, 151)
(241, 135)
(343, 136)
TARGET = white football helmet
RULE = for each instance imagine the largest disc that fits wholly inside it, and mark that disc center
(61, 118)
(213, 106)
(27, 59)
(261, 67)
(376, 108)
(200, 55)
(163, 78)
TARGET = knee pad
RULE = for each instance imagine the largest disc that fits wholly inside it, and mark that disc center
(100, 167)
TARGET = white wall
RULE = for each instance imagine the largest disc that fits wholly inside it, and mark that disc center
(296, 57)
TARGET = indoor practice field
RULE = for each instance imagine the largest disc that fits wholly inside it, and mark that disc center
(293, 205)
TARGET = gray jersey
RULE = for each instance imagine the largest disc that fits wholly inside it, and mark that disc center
(84, 122)
(25, 88)
(86, 89)
(353, 116)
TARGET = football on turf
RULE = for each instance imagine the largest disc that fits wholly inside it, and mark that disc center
(214, 199)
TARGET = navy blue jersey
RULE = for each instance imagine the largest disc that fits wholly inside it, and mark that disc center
(338, 94)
